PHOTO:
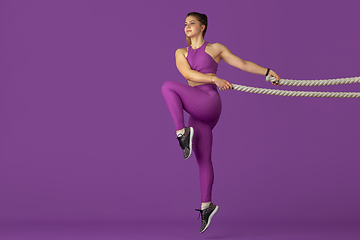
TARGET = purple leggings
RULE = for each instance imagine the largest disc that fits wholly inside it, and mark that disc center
(203, 103)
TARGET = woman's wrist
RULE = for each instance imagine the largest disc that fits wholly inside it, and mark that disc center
(267, 71)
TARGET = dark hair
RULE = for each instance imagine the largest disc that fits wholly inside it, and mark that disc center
(202, 18)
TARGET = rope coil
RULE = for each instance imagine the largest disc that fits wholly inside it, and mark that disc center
(289, 82)
(308, 83)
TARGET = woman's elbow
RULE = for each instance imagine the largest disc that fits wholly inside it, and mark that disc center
(244, 65)
(188, 75)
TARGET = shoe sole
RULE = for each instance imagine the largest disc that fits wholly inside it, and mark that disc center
(210, 217)
(190, 142)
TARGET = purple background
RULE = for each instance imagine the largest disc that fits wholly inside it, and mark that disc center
(85, 134)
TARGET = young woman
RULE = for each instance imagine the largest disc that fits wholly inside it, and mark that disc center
(198, 64)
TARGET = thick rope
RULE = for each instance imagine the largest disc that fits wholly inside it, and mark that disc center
(296, 93)
(289, 82)
(338, 81)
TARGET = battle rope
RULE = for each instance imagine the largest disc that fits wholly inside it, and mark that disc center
(289, 82)
(308, 83)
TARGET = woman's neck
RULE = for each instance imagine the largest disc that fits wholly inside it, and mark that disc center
(197, 42)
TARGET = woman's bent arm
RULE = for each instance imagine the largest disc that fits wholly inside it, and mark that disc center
(195, 76)
(192, 75)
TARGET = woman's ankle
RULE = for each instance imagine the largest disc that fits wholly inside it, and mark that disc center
(205, 205)
(180, 132)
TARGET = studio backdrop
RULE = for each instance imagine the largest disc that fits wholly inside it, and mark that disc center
(85, 134)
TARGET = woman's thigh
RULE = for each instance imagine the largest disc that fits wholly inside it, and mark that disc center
(202, 104)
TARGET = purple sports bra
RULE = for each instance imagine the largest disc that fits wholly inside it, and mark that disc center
(201, 61)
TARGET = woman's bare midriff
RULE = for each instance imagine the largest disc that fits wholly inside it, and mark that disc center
(193, 84)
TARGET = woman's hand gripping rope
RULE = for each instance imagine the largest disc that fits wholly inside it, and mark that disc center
(222, 83)
(225, 85)
(274, 78)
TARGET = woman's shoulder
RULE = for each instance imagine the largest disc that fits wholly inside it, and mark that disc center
(216, 45)
(181, 51)
(215, 49)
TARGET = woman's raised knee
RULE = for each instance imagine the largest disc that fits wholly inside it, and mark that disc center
(167, 86)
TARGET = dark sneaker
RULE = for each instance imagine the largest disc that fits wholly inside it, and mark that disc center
(206, 216)
(185, 141)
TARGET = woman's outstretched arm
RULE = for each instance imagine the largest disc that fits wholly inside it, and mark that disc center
(195, 76)
(244, 65)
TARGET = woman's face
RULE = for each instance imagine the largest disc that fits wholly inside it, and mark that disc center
(192, 26)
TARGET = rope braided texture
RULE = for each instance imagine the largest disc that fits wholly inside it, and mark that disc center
(289, 82)
(338, 81)
(296, 93)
